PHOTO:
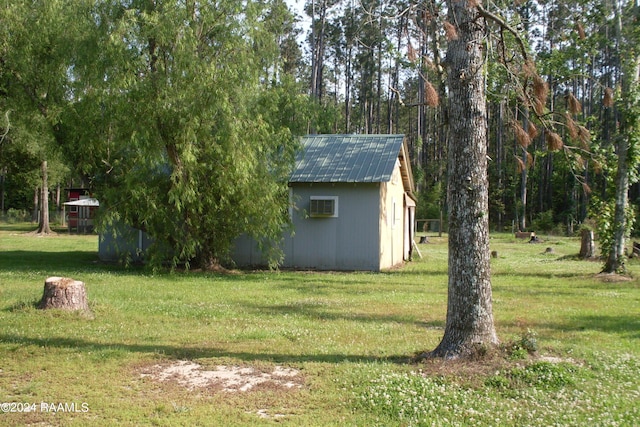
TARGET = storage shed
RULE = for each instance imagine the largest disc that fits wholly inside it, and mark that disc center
(81, 214)
(353, 205)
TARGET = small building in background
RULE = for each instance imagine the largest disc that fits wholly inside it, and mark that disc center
(353, 206)
(79, 211)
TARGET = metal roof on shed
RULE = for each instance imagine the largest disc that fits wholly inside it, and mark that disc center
(84, 202)
(347, 158)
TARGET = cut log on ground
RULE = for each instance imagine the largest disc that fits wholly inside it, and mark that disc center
(64, 293)
(587, 245)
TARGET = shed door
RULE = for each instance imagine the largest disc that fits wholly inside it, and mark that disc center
(409, 219)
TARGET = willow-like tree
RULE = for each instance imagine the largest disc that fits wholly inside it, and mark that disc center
(188, 150)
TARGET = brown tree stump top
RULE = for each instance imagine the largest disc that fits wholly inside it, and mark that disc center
(61, 282)
(64, 293)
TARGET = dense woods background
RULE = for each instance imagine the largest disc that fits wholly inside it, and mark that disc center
(382, 69)
(107, 92)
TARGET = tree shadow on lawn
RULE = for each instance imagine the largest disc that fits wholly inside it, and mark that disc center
(27, 261)
(627, 326)
(540, 273)
(520, 291)
(19, 261)
(84, 261)
(315, 311)
(191, 353)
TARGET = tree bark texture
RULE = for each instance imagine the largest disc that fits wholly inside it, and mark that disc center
(469, 310)
(615, 260)
(64, 293)
(587, 245)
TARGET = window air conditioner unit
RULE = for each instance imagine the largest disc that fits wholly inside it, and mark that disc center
(322, 207)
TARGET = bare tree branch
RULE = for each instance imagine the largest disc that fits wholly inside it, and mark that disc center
(503, 24)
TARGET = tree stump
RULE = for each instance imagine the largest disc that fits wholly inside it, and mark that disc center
(587, 245)
(64, 293)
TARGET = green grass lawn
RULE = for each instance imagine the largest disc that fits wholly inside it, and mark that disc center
(350, 337)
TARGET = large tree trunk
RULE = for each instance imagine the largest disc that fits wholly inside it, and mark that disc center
(469, 311)
(318, 29)
(629, 124)
(615, 259)
(43, 225)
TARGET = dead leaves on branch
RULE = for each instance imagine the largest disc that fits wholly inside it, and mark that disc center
(412, 53)
(431, 95)
(572, 126)
(584, 137)
(575, 107)
(608, 97)
(554, 142)
(520, 162)
(535, 93)
(576, 131)
(540, 94)
(450, 31)
(523, 137)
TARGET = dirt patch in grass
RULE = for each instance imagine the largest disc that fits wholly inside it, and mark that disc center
(613, 277)
(471, 371)
(224, 378)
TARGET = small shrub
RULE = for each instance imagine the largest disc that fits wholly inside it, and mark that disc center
(520, 348)
(529, 341)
